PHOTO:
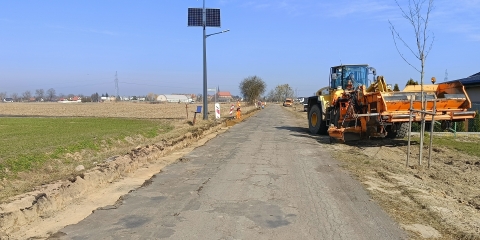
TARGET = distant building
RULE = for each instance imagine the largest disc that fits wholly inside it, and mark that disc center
(224, 97)
(472, 86)
(173, 98)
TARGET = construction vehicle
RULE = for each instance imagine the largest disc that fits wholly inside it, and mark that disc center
(355, 107)
(288, 102)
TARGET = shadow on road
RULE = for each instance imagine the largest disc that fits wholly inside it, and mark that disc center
(372, 142)
(303, 132)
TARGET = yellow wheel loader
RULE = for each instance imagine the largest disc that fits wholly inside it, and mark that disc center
(354, 107)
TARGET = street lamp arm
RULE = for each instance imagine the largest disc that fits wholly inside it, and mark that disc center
(224, 31)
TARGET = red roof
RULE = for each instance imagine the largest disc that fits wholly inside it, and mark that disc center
(224, 94)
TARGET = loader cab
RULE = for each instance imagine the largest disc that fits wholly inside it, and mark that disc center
(349, 76)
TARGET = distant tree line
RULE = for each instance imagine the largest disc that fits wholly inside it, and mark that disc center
(40, 95)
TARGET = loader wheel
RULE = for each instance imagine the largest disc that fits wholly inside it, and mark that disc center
(315, 123)
(399, 130)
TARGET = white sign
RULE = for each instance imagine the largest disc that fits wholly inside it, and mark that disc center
(217, 110)
(211, 89)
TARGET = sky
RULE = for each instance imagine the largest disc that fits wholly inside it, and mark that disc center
(81, 47)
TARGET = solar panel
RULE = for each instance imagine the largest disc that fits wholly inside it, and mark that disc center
(195, 17)
(213, 17)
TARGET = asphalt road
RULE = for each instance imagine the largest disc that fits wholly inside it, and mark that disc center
(265, 178)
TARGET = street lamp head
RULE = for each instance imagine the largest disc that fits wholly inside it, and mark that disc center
(226, 30)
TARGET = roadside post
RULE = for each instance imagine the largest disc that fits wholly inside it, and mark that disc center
(217, 110)
(199, 110)
(231, 109)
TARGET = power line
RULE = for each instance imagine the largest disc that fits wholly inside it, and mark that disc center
(116, 85)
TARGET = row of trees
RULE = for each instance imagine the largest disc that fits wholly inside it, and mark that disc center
(39, 95)
(252, 89)
(51, 95)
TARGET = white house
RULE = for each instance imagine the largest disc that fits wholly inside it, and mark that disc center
(173, 98)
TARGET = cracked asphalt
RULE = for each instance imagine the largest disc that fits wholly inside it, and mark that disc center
(265, 178)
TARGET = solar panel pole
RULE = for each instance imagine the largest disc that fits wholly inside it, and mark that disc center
(205, 100)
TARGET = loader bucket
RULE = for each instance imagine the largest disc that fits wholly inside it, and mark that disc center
(345, 134)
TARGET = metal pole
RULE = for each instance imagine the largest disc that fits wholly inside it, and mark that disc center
(409, 128)
(431, 132)
(422, 130)
(205, 100)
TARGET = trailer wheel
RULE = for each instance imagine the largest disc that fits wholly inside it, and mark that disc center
(399, 130)
(315, 123)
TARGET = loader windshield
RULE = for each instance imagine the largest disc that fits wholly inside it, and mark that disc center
(349, 76)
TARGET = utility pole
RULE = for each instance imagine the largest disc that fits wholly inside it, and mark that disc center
(116, 86)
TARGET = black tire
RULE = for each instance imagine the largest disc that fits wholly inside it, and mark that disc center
(315, 123)
(399, 130)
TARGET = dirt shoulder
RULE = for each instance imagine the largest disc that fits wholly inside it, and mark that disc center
(440, 202)
(49, 207)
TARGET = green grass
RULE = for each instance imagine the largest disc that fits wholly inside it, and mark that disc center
(26, 143)
(468, 146)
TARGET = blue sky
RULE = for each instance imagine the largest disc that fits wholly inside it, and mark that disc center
(77, 46)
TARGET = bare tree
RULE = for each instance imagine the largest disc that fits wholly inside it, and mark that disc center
(39, 94)
(27, 95)
(95, 97)
(252, 87)
(51, 94)
(3, 95)
(419, 19)
(151, 97)
(14, 96)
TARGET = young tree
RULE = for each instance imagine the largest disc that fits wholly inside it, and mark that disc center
(419, 18)
(3, 95)
(252, 88)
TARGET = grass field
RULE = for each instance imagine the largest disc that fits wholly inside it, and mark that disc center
(27, 143)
